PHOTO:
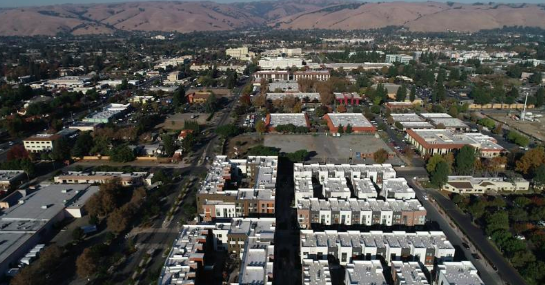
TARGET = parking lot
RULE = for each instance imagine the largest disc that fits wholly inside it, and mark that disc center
(331, 149)
(176, 121)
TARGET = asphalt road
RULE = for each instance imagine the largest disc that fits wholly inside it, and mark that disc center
(474, 235)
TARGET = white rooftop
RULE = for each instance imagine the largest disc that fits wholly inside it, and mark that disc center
(365, 272)
(296, 119)
(459, 273)
(354, 119)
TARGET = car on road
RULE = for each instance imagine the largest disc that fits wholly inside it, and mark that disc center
(10, 143)
(465, 245)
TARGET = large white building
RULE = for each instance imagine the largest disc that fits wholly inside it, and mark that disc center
(241, 53)
(364, 272)
(280, 62)
(482, 185)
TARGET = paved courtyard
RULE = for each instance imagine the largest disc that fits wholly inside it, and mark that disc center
(331, 149)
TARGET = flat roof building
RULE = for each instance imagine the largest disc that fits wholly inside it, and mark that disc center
(304, 97)
(482, 185)
(40, 142)
(316, 272)
(359, 212)
(408, 273)
(100, 177)
(425, 247)
(9, 178)
(285, 86)
(107, 114)
(437, 141)
(458, 273)
(357, 121)
(29, 216)
(296, 119)
(364, 272)
(397, 188)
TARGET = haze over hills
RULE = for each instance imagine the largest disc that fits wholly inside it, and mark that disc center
(301, 14)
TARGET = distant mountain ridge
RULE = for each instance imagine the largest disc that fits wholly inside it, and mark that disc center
(300, 14)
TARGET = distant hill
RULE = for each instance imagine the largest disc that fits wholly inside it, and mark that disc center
(298, 14)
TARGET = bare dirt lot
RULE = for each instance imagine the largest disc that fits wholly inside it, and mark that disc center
(176, 121)
(241, 144)
(535, 128)
(331, 149)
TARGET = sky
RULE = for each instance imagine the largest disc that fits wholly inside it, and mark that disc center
(22, 3)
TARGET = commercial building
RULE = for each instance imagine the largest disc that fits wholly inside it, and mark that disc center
(318, 75)
(439, 141)
(84, 126)
(68, 82)
(289, 52)
(359, 212)
(357, 121)
(238, 188)
(9, 178)
(482, 185)
(304, 97)
(296, 119)
(109, 113)
(251, 239)
(454, 124)
(346, 98)
(364, 272)
(29, 216)
(280, 62)
(316, 272)
(408, 273)
(285, 86)
(424, 247)
(457, 273)
(241, 53)
(100, 177)
(273, 75)
(401, 58)
(352, 66)
(407, 117)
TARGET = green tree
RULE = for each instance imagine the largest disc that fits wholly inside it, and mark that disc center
(453, 111)
(540, 97)
(498, 220)
(77, 234)
(61, 150)
(412, 95)
(465, 160)
(348, 129)
(433, 161)
(534, 272)
(535, 78)
(260, 127)
(122, 153)
(226, 131)
(169, 144)
(211, 103)
(178, 98)
(440, 176)
(83, 145)
(539, 177)
(340, 129)
(401, 94)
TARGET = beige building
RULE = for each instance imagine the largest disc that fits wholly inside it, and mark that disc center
(40, 142)
(241, 53)
(481, 185)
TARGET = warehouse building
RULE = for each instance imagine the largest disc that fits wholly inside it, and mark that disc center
(282, 119)
(483, 185)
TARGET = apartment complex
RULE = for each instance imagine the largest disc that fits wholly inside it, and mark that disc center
(407, 273)
(316, 272)
(251, 239)
(459, 273)
(238, 188)
(365, 272)
(359, 212)
(424, 247)
(482, 185)
(441, 141)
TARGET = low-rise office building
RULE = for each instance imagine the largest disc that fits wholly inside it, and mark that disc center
(357, 121)
(359, 212)
(29, 217)
(302, 96)
(425, 247)
(318, 75)
(437, 141)
(238, 188)
(482, 185)
(40, 142)
(284, 86)
(272, 75)
(401, 58)
(100, 177)
(282, 119)
(457, 273)
(10, 178)
(280, 62)
(346, 98)
(109, 113)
